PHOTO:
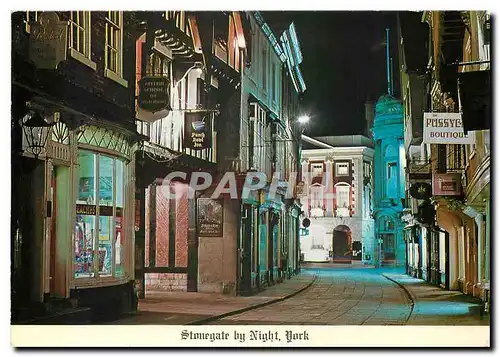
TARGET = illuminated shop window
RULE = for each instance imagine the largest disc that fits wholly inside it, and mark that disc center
(100, 253)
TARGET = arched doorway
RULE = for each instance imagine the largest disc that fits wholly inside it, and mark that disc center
(387, 239)
(342, 244)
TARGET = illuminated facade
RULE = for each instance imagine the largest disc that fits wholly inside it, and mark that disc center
(452, 249)
(271, 86)
(338, 199)
(389, 167)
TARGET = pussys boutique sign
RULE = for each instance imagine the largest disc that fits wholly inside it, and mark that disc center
(445, 128)
(197, 131)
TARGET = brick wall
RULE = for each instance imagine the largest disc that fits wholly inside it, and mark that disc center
(166, 281)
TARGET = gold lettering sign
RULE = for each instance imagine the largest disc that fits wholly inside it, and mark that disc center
(210, 217)
(48, 41)
(88, 210)
(153, 93)
(196, 131)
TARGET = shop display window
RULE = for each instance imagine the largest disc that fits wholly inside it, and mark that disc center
(99, 211)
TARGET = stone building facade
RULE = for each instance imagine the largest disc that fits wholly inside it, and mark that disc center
(338, 200)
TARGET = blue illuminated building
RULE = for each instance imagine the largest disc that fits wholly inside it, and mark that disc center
(389, 181)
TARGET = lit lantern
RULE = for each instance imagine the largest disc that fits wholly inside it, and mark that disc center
(36, 131)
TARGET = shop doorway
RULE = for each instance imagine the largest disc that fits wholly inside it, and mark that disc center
(59, 213)
(342, 244)
(167, 258)
(245, 249)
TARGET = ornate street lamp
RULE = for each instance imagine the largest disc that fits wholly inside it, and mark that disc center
(36, 131)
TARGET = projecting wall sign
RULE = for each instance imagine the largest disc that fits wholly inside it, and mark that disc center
(153, 93)
(197, 131)
(48, 41)
(445, 128)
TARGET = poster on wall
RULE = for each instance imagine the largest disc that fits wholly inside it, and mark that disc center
(445, 128)
(210, 217)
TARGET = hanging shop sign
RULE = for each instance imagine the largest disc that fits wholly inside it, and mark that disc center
(421, 190)
(299, 189)
(153, 93)
(197, 131)
(447, 184)
(445, 128)
(210, 215)
(48, 41)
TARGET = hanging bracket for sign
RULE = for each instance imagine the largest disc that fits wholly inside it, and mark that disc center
(472, 63)
(216, 111)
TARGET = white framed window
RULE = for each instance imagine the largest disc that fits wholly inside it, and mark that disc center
(486, 140)
(342, 198)
(264, 69)
(113, 54)
(273, 81)
(341, 169)
(317, 170)
(80, 37)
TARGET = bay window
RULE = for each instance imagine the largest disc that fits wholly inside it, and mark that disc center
(99, 238)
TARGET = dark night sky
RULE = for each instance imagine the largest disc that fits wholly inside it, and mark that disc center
(344, 64)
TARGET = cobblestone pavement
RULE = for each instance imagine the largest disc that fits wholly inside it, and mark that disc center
(436, 306)
(346, 296)
(338, 296)
(181, 308)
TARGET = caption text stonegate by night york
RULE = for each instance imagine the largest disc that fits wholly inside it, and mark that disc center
(253, 335)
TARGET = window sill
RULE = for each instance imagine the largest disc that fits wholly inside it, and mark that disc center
(97, 282)
(113, 76)
(82, 59)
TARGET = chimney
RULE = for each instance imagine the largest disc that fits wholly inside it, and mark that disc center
(369, 115)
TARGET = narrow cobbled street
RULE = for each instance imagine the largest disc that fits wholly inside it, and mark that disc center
(353, 296)
(319, 296)
(338, 297)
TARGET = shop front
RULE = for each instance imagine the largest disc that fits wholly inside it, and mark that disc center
(103, 227)
(412, 235)
(75, 220)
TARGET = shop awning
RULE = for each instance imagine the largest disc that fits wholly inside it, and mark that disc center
(475, 99)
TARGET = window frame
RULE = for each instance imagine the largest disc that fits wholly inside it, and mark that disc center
(264, 69)
(116, 74)
(94, 274)
(28, 19)
(341, 164)
(84, 56)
